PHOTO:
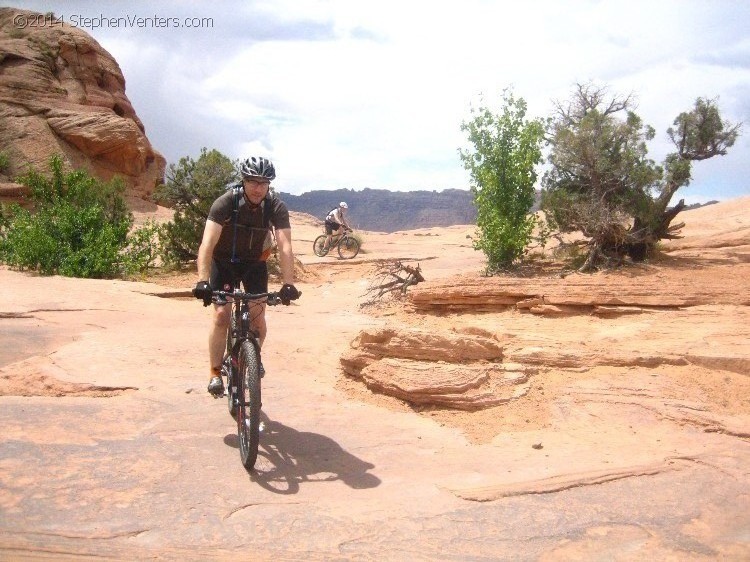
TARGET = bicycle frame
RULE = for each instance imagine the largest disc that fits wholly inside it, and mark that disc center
(337, 239)
(240, 328)
(243, 386)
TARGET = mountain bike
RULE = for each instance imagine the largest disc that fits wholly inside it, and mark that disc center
(347, 245)
(241, 369)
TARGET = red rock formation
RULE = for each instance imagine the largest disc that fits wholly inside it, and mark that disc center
(61, 92)
(603, 294)
(452, 370)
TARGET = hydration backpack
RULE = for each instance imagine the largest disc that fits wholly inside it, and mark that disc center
(270, 240)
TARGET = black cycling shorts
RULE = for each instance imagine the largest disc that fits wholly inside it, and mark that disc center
(254, 276)
(331, 226)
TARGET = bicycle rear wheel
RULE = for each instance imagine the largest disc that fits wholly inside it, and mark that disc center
(248, 406)
(348, 248)
(319, 246)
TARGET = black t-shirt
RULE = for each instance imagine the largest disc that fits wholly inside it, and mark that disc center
(250, 232)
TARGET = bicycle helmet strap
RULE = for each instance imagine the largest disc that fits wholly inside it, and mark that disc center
(236, 192)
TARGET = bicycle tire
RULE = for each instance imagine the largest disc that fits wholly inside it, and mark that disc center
(319, 246)
(248, 406)
(348, 248)
(231, 371)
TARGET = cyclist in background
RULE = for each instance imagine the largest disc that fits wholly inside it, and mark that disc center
(234, 246)
(335, 219)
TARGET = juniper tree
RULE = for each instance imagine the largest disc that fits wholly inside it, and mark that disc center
(601, 181)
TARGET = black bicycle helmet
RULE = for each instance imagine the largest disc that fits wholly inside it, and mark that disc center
(258, 167)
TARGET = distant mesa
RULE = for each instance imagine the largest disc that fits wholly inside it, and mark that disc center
(62, 93)
(382, 210)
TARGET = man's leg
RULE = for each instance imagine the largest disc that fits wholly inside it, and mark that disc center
(217, 333)
(329, 231)
(217, 336)
(332, 229)
(217, 341)
(258, 320)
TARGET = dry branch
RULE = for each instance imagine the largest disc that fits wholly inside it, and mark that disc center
(393, 277)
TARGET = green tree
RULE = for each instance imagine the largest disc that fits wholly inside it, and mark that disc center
(78, 226)
(190, 189)
(602, 183)
(507, 148)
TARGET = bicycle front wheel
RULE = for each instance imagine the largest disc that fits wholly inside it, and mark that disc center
(231, 370)
(348, 248)
(319, 246)
(248, 406)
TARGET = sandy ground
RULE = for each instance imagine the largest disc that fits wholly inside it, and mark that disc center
(112, 449)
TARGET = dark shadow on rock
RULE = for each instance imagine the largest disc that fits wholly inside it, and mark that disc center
(287, 457)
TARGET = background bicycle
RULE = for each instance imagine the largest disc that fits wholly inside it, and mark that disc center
(348, 245)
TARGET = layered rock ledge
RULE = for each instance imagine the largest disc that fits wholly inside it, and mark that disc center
(603, 294)
(453, 370)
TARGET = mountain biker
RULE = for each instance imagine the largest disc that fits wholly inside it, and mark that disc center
(335, 219)
(235, 236)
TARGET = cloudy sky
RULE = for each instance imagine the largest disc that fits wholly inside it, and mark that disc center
(355, 94)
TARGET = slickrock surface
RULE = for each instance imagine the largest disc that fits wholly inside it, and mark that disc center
(616, 435)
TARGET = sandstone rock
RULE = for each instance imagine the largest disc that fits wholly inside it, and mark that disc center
(62, 93)
(555, 310)
(415, 344)
(11, 192)
(559, 482)
(39, 376)
(465, 387)
(580, 293)
(552, 357)
(452, 370)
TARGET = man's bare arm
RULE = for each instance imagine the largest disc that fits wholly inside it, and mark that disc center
(211, 234)
(286, 257)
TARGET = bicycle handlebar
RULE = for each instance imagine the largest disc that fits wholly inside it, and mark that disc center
(272, 299)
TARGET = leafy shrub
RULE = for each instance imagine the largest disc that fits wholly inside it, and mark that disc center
(144, 248)
(78, 228)
(4, 162)
(507, 148)
(359, 238)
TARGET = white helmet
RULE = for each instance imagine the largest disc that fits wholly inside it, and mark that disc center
(343, 205)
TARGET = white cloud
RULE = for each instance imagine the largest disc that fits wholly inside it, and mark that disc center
(372, 94)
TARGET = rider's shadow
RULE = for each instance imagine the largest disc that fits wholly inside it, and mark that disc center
(287, 457)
